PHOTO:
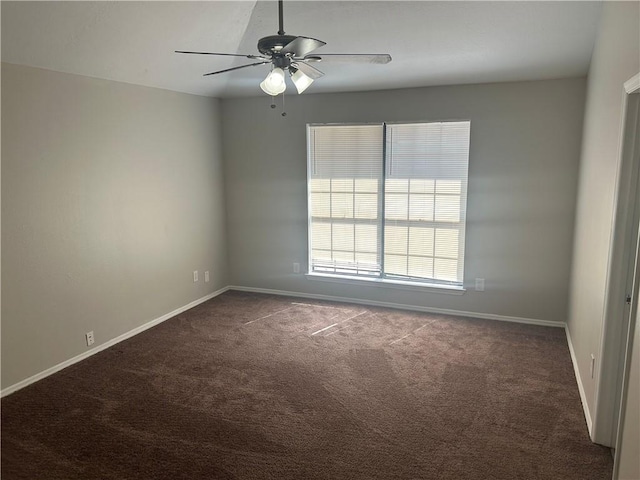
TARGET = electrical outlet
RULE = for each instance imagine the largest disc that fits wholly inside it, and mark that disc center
(195, 275)
(593, 364)
(479, 284)
(206, 276)
(90, 339)
(296, 267)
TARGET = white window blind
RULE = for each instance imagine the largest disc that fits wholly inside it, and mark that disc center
(345, 182)
(393, 209)
(425, 200)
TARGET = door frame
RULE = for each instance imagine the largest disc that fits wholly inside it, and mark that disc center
(622, 254)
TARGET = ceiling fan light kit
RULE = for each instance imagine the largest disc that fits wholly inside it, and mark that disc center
(274, 84)
(291, 53)
(300, 80)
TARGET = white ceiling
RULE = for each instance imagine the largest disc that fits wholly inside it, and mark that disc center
(432, 43)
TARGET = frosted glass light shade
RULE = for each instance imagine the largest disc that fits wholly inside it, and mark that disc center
(274, 84)
(301, 81)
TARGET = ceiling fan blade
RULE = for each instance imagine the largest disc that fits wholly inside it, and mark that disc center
(349, 58)
(236, 68)
(301, 46)
(223, 54)
(308, 70)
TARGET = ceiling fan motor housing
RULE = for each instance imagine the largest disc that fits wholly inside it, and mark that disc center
(274, 43)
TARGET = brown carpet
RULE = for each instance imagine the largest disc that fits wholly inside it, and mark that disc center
(250, 386)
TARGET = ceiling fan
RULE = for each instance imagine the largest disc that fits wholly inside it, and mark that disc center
(293, 54)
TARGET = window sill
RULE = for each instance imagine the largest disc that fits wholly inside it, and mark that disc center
(386, 283)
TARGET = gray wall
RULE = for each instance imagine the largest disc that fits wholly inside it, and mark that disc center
(112, 195)
(525, 148)
(616, 58)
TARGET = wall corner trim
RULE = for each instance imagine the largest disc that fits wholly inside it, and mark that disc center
(56, 368)
(633, 84)
(583, 396)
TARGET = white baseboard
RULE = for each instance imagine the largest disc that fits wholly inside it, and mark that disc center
(583, 397)
(402, 306)
(49, 371)
(488, 316)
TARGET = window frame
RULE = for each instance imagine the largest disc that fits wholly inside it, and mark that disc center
(385, 279)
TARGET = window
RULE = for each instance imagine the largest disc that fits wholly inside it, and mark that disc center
(388, 201)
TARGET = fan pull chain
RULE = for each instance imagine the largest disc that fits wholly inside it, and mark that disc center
(284, 114)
